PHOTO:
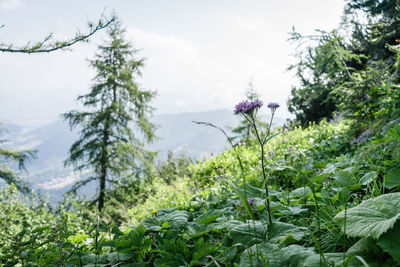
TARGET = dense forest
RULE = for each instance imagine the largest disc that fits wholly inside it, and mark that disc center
(323, 190)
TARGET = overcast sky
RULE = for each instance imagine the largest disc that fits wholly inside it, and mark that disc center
(199, 54)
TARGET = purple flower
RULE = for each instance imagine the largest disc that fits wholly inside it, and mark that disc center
(273, 106)
(256, 104)
(308, 166)
(242, 107)
(366, 96)
(246, 107)
(190, 188)
(290, 150)
(250, 201)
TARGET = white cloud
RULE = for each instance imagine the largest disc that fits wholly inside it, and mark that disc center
(250, 23)
(163, 42)
(10, 4)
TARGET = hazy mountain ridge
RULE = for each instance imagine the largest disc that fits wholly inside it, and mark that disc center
(176, 132)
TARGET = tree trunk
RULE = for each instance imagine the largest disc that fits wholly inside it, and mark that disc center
(103, 163)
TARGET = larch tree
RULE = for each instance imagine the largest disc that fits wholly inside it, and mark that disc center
(10, 156)
(114, 107)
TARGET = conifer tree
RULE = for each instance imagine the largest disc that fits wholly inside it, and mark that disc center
(114, 106)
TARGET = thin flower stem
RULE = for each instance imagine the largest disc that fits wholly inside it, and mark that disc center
(269, 127)
(263, 170)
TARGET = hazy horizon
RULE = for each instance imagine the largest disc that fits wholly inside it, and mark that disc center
(199, 56)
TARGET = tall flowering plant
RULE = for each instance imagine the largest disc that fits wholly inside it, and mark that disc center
(249, 111)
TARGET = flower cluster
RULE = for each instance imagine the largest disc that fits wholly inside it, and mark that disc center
(273, 106)
(247, 107)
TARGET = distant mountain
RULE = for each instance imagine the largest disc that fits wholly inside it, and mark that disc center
(176, 133)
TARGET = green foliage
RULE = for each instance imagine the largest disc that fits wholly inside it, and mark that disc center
(334, 200)
(318, 183)
(107, 144)
(17, 217)
(320, 69)
(373, 217)
(175, 167)
(355, 74)
(10, 156)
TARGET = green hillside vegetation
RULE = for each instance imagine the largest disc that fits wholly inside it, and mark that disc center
(214, 215)
(321, 191)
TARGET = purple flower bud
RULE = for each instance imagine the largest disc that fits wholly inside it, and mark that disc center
(308, 166)
(290, 150)
(250, 201)
(273, 106)
(190, 188)
(246, 107)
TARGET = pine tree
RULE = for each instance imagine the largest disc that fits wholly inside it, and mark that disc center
(107, 144)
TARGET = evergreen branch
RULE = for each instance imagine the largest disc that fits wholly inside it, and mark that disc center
(81, 183)
(46, 46)
(20, 156)
(11, 178)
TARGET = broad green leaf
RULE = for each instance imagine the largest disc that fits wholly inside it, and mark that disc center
(390, 242)
(152, 224)
(247, 233)
(367, 249)
(291, 256)
(368, 177)
(300, 192)
(344, 178)
(373, 217)
(280, 232)
(210, 216)
(195, 229)
(392, 178)
(175, 219)
(330, 168)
